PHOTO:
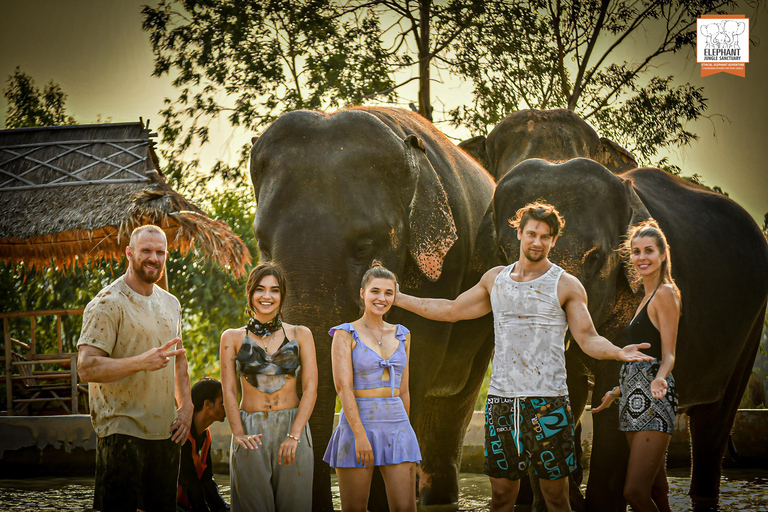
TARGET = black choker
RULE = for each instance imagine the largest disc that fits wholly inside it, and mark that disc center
(264, 329)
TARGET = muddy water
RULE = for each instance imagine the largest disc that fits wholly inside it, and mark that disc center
(741, 490)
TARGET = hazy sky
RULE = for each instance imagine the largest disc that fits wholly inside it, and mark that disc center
(97, 52)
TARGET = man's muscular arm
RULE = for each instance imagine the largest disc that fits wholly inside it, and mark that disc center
(473, 303)
(573, 297)
(95, 365)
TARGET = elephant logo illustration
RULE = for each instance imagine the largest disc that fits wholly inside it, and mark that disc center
(723, 40)
(722, 35)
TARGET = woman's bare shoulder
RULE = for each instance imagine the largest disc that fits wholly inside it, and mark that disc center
(301, 332)
(235, 335)
(666, 298)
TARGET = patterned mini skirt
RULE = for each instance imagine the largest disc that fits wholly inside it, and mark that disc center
(638, 410)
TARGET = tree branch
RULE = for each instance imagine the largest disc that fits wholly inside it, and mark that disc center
(555, 13)
(577, 84)
(388, 90)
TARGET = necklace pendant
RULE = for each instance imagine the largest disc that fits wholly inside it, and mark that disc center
(379, 343)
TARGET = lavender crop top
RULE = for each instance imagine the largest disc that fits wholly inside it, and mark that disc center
(368, 366)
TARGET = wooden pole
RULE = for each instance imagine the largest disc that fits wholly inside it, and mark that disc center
(73, 368)
(32, 348)
(8, 382)
(58, 332)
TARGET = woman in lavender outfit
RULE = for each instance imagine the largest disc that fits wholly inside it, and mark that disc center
(370, 371)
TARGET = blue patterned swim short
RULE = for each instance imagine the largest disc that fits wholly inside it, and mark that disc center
(523, 432)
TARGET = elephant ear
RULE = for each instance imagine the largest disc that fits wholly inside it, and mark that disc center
(475, 147)
(639, 214)
(432, 229)
(255, 169)
(614, 157)
(487, 252)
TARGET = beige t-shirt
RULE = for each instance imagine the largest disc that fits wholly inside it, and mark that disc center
(124, 323)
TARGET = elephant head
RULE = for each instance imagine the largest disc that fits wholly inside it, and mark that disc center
(598, 207)
(375, 195)
(336, 191)
(554, 135)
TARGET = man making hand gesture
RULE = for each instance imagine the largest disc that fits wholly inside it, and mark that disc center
(130, 354)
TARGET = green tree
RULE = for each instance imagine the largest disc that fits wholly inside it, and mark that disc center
(211, 298)
(253, 60)
(29, 288)
(553, 54)
(29, 106)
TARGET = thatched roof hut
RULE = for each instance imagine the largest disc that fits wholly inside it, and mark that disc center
(75, 193)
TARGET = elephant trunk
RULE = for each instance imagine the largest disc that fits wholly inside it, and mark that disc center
(319, 308)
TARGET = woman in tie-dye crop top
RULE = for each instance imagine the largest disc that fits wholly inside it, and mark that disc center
(370, 371)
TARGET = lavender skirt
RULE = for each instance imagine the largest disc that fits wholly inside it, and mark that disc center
(389, 431)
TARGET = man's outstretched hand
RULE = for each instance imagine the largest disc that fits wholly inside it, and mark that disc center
(632, 353)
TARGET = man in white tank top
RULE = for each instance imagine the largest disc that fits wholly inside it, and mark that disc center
(528, 420)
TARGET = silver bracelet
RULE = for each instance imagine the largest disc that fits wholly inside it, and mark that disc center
(294, 438)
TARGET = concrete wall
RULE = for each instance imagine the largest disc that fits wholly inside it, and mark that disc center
(65, 445)
(46, 445)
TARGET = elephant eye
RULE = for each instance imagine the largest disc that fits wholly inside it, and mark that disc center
(363, 248)
(592, 263)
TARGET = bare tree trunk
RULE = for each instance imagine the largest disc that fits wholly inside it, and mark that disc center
(425, 106)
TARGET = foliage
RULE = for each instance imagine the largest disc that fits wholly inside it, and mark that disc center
(34, 289)
(212, 300)
(254, 60)
(551, 54)
(29, 106)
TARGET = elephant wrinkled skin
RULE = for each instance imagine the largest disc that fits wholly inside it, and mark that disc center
(554, 135)
(335, 191)
(719, 261)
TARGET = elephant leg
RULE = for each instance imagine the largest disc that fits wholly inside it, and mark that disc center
(442, 424)
(377, 499)
(610, 454)
(710, 426)
(321, 426)
(578, 391)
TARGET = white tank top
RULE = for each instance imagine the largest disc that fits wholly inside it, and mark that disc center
(529, 326)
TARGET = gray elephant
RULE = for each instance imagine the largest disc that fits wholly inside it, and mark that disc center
(720, 263)
(555, 135)
(335, 191)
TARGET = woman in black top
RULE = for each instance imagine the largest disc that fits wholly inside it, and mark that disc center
(646, 391)
(271, 459)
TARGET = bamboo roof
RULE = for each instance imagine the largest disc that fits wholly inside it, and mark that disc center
(72, 194)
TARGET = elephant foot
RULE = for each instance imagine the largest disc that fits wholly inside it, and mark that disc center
(438, 488)
(704, 503)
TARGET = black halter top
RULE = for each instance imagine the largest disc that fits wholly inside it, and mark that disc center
(642, 330)
(252, 360)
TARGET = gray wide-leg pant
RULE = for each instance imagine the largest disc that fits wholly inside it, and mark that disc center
(258, 482)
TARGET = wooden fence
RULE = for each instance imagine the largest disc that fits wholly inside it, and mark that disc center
(39, 378)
